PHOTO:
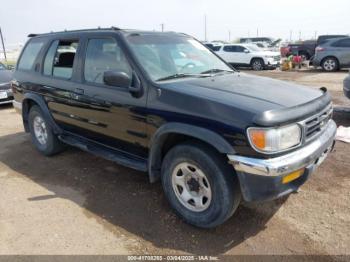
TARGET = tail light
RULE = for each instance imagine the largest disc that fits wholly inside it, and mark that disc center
(320, 49)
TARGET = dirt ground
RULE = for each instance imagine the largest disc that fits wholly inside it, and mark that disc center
(76, 203)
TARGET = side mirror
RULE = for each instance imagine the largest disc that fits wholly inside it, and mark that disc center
(246, 51)
(117, 78)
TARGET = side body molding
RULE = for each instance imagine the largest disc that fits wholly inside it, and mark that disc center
(159, 138)
(39, 100)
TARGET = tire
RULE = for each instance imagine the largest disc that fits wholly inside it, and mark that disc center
(216, 177)
(43, 138)
(330, 64)
(257, 64)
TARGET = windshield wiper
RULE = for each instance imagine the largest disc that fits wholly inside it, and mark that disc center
(182, 75)
(216, 70)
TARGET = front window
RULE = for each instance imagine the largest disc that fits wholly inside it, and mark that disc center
(166, 55)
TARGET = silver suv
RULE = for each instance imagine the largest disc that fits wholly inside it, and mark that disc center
(333, 54)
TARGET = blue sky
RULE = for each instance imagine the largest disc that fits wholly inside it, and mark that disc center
(274, 18)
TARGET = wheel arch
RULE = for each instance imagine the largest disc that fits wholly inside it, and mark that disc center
(30, 100)
(257, 58)
(172, 134)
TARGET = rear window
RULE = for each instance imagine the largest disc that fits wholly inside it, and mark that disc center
(29, 55)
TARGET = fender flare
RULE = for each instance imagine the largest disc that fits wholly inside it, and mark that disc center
(39, 100)
(200, 133)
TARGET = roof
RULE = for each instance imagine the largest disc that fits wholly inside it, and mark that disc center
(128, 31)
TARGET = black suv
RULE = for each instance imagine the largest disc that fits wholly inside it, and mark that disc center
(165, 104)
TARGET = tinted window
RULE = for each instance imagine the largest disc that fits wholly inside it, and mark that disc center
(104, 55)
(342, 43)
(216, 48)
(29, 55)
(59, 59)
(240, 49)
(230, 48)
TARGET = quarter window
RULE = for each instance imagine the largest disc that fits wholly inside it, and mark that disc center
(29, 55)
(104, 55)
(59, 59)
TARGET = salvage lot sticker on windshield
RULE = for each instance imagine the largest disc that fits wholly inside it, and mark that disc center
(3, 95)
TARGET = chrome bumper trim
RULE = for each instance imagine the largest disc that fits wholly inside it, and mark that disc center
(303, 157)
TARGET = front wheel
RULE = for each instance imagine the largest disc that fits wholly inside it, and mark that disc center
(257, 64)
(43, 137)
(199, 185)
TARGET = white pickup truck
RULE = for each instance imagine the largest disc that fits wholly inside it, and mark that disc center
(249, 55)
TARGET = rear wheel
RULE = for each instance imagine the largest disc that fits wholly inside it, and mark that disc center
(330, 64)
(45, 141)
(257, 64)
(199, 184)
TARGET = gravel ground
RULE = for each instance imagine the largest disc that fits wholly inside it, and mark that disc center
(76, 203)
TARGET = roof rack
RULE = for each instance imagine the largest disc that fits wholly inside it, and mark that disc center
(79, 30)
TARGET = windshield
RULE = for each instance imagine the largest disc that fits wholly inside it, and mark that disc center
(253, 48)
(166, 55)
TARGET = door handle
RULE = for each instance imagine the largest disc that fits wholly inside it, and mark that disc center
(79, 91)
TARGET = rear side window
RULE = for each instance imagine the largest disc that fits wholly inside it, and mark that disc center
(342, 43)
(59, 59)
(29, 55)
(104, 55)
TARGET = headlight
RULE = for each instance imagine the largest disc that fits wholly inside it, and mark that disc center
(271, 140)
(268, 56)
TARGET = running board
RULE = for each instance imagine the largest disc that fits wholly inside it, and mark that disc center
(114, 155)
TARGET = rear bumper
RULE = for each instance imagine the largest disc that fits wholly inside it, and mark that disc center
(261, 179)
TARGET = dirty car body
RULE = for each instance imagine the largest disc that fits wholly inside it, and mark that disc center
(210, 133)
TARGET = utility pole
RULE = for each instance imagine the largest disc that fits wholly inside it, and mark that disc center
(229, 35)
(290, 35)
(162, 26)
(257, 32)
(205, 27)
(3, 44)
(299, 35)
(315, 34)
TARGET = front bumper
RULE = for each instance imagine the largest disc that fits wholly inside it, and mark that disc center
(261, 179)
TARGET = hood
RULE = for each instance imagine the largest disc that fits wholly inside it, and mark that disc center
(5, 76)
(253, 93)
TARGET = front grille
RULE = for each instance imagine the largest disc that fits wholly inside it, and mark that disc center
(315, 124)
(277, 58)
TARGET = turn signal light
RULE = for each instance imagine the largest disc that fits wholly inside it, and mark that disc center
(292, 176)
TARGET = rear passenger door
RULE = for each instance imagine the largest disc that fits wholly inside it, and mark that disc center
(343, 51)
(229, 54)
